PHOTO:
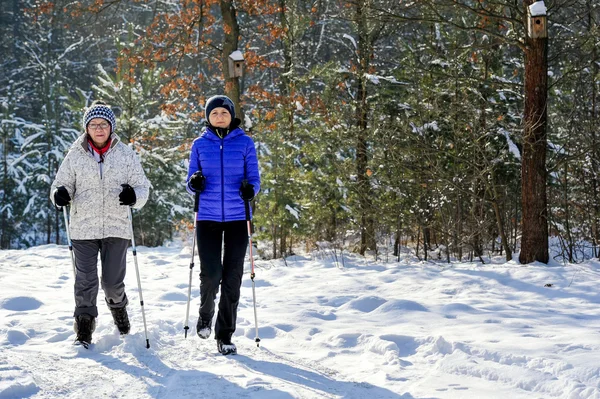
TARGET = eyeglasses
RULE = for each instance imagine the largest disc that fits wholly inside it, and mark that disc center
(96, 126)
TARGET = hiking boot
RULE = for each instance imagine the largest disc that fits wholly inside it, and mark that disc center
(226, 347)
(121, 319)
(84, 326)
(203, 328)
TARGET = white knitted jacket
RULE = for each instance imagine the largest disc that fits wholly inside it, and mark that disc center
(95, 209)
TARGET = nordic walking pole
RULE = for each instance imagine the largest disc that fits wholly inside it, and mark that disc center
(252, 275)
(187, 312)
(69, 239)
(137, 273)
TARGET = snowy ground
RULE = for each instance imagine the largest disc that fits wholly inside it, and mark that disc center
(368, 330)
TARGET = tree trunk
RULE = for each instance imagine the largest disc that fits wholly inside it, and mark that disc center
(230, 44)
(515, 222)
(567, 213)
(594, 145)
(500, 224)
(282, 242)
(426, 242)
(6, 191)
(398, 239)
(364, 53)
(534, 242)
(499, 219)
(418, 241)
(458, 232)
(330, 230)
(49, 117)
(275, 232)
(16, 20)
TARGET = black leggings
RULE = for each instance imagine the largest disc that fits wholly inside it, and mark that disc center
(227, 272)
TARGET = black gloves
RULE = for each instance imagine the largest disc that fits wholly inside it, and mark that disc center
(247, 191)
(197, 182)
(127, 196)
(61, 196)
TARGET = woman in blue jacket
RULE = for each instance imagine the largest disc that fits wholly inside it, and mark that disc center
(224, 171)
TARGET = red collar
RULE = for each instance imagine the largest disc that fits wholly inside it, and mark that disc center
(100, 151)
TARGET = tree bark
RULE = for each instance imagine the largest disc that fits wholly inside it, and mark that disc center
(16, 20)
(364, 54)
(567, 213)
(7, 195)
(594, 159)
(534, 242)
(499, 218)
(275, 235)
(398, 238)
(231, 31)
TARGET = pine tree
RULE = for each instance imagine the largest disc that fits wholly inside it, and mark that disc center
(160, 142)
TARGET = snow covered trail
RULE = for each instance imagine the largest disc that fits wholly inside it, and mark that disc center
(370, 330)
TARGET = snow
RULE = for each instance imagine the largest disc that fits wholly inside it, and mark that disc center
(375, 79)
(512, 147)
(353, 40)
(370, 329)
(237, 56)
(440, 62)
(294, 212)
(433, 126)
(538, 8)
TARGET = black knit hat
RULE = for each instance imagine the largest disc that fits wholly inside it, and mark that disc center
(220, 101)
(99, 109)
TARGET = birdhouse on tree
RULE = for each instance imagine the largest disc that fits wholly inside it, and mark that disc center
(537, 27)
(236, 64)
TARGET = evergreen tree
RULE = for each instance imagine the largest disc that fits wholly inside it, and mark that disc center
(160, 142)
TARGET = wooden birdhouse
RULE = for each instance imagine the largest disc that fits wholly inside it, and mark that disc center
(236, 64)
(537, 27)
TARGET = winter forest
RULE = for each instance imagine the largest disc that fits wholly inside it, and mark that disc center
(379, 124)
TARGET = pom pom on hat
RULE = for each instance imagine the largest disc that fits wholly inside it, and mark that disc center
(220, 101)
(100, 109)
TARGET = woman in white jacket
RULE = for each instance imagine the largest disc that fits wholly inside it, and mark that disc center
(100, 177)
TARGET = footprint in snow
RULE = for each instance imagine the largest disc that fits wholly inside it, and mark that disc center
(173, 296)
(60, 336)
(16, 383)
(366, 304)
(21, 304)
(16, 337)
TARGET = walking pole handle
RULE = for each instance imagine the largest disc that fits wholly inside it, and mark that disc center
(247, 207)
(196, 203)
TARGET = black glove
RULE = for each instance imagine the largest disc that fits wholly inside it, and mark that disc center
(247, 191)
(127, 196)
(197, 182)
(61, 196)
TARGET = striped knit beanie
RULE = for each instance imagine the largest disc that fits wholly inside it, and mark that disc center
(99, 109)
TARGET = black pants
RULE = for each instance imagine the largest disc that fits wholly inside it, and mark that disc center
(113, 251)
(226, 270)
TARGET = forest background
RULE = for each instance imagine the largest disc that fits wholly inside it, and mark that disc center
(379, 124)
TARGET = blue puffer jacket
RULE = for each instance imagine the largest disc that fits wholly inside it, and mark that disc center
(225, 162)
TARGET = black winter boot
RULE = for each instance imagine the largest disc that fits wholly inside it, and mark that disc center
(226, 347)
(121, 319)
(84, 326)
(203, 328)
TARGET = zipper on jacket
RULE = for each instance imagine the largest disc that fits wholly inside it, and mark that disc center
(222, 186)
(101, 167)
